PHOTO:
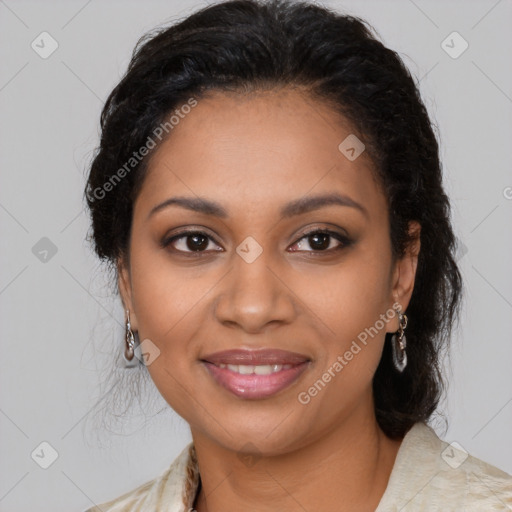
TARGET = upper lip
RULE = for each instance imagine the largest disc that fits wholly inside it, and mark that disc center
(256, 357)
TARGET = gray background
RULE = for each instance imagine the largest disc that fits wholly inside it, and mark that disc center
(59, 320)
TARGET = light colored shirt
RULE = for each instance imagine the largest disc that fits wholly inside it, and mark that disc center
(428, 475)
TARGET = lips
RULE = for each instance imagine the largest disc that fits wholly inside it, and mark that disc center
(256, 357)
(255, 374)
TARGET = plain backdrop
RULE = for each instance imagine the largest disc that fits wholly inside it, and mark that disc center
(56, 306)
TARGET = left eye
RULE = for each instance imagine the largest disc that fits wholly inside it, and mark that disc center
(321, 240)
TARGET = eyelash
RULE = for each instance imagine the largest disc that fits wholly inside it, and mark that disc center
(344, 240)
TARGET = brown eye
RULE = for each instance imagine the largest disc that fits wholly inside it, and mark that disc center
(319, 241)
(322, 241)
(189, 242)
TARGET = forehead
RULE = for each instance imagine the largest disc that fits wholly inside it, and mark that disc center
(258, 148)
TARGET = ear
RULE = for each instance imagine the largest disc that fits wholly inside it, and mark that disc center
(404, 272)
(124, 285)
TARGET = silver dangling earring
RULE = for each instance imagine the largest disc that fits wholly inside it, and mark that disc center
(129, 351)
(398, 344)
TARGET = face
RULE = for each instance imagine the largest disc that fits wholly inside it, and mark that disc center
(246, 272)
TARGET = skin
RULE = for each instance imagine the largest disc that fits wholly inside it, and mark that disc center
(253, 154)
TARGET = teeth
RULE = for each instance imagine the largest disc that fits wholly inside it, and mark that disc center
(247, 369)
(263, 369)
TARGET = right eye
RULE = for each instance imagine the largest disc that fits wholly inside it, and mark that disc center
(189, 242)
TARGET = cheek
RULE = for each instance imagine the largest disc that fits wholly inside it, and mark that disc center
(354, 303)
(353, 298)
(165, 297)
(355, 308)
(169, 306)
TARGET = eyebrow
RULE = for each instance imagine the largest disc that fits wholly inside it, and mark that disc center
(296, 207)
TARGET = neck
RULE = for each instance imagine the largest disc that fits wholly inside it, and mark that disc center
(345, 469)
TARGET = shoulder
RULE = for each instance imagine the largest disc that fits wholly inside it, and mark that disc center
(431, 474)
(170, 491)
(485, 487)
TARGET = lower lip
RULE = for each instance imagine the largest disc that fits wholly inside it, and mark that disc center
(255, 386)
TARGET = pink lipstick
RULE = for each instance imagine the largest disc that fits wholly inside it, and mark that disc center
(255, 374)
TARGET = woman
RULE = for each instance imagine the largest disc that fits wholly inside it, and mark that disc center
(268, 190)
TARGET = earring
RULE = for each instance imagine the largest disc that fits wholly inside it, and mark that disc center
(129, 339)
(399, 343)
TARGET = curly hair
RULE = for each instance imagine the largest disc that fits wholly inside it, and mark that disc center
(252, 45)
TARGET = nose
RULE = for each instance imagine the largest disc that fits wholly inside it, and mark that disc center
(254, 295)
